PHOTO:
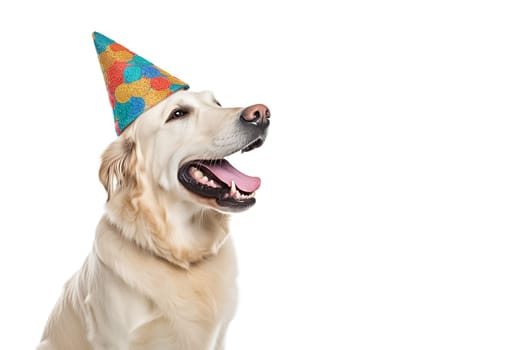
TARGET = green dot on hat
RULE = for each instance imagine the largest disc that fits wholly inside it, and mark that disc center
(132, 73)
(101, 42)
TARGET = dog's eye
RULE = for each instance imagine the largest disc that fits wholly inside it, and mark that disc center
(218, 103)
(176, 114)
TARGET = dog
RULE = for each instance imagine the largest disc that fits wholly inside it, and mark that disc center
(162, 271)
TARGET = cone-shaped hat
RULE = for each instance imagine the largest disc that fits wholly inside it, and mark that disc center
(134, 84)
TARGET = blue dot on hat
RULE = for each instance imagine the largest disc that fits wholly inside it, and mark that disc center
(150, 72)
(135, 106)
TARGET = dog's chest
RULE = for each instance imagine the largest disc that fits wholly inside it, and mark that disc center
(165, 308)
(195, 321)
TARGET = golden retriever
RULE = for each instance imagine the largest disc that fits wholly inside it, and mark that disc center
(162, 272)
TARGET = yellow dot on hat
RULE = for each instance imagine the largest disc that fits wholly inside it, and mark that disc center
(123, 56)
(140, 87)
(123, 93)
(154, 96)
(106, 60)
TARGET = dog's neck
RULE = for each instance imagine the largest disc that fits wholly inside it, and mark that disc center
(179, 232)
(195, 231)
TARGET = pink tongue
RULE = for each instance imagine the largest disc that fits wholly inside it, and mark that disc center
(226, 173)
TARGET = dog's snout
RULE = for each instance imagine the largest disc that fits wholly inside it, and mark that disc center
(258, 115)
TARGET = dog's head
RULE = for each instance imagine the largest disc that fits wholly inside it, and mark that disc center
(178, 148)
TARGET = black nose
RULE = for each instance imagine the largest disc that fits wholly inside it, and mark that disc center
(258, 115)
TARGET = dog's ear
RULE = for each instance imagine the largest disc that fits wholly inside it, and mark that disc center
(118, 168)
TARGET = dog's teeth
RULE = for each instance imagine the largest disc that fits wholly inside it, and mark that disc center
(205, 178)
(198, 173)
(233, 189)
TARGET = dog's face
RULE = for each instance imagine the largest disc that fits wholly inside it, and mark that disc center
(184, 139)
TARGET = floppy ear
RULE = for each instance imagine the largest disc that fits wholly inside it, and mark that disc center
(118, 168)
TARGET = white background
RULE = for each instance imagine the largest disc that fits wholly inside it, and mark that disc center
(391, 214)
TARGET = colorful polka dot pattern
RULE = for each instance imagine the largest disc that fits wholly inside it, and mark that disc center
(134, 84)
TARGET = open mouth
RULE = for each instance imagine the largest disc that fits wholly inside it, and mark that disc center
(218, 179)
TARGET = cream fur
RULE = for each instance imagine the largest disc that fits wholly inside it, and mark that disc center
(162, 272)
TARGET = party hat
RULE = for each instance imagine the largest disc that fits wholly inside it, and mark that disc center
(134, 84)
